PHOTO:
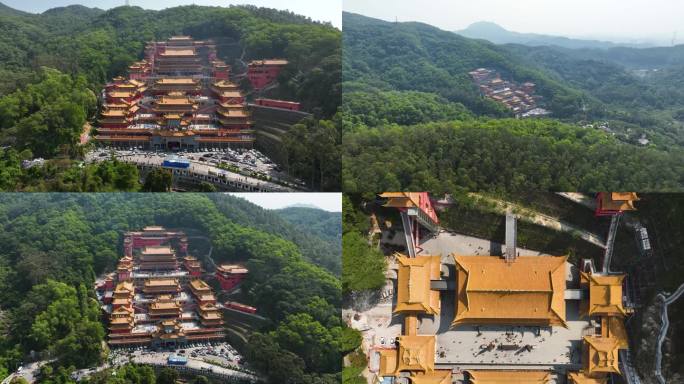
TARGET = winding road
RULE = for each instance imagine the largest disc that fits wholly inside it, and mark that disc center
(663, 329)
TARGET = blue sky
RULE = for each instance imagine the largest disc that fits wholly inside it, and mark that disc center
(331, 202)
(321, 10)
(609, 19)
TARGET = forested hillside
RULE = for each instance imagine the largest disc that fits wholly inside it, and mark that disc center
(417, 57)
(324, 224)
(610, 127)
(55, 244)
(316, 232)
(82, 48)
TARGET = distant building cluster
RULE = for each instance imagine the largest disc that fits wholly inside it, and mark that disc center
(518, 98)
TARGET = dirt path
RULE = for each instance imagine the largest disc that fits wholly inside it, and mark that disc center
(538, 218)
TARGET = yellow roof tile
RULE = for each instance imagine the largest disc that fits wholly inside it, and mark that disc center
(582, 378)
(388, 362)
(416, 353)
(435, 377)
(605, 294)
(509, 377)
(413, 291)
(619, 201)
(530, 290)
(601, 354)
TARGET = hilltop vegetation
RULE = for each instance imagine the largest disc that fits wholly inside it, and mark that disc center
(55, 245)
(582, 84)
(325, 225)
(414, 119)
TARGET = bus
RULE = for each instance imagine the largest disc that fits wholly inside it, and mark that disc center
(176, 162)
(177, 360)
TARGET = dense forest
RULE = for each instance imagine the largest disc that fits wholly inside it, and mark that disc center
(324, 224)
(55, 244)
(414, 119)
(53, 64)
(502, 155)
(314, 149)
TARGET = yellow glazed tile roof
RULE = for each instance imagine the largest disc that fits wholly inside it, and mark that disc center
(416, 353)
(582, 378)
(157, 250)
(413, 284)
(509, 377)
(530, 290)
(200, 285)
(434, 377)
(161, 282)
(619, 201)
(388, 362)
(614, 327)
(401, 199)
(605, 294)
(175, 81)
(124, 286)
(601, 355)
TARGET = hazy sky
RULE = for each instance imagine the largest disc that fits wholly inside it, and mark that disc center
(574, 18)
(320, 10)
(331, 202)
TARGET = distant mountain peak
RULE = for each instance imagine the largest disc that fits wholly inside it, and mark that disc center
(486, 26)
(7, 10)
(497, 34)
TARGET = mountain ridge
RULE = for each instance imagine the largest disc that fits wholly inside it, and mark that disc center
(497, 34)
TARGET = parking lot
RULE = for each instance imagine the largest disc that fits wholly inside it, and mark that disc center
(218, 357)
(240, 159)
(249, 166)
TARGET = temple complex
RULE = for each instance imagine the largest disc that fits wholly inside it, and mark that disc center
(155, 299)
(491, 319)
(180, 96)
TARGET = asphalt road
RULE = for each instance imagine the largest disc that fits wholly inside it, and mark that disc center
(196, 167)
